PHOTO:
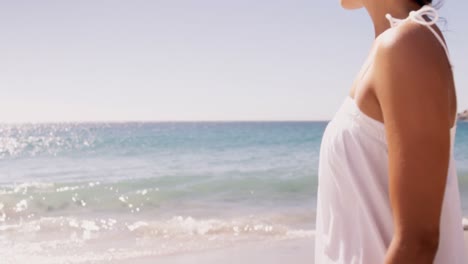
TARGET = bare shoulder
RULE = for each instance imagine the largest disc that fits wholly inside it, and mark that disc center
(412, 44)
(409, 55)
(412, 77)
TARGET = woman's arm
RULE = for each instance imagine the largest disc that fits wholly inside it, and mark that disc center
(412, 81)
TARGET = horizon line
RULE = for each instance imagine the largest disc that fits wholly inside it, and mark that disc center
(160, 121)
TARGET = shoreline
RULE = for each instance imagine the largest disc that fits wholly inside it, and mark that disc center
(292, 250)
(297, 251)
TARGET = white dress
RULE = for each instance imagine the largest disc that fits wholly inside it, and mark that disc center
(354, 219)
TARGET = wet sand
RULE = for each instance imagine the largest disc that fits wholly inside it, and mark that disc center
(297, 251)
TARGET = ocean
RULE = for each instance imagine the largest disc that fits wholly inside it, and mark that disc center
(93, 192)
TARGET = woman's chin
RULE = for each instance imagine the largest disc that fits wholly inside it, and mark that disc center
(351, 4)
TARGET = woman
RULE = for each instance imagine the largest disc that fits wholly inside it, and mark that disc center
(388, 190)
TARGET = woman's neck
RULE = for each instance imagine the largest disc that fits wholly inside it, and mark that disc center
(377, 10)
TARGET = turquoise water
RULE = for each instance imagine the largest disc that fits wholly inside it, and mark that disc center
(194, 183)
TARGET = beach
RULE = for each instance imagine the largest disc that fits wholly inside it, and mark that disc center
(191, 132)
(189, 192)
(297, 251)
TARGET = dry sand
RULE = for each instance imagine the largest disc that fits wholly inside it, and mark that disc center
(297, 251)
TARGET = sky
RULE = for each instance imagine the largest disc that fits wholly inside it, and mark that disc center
(179, 60)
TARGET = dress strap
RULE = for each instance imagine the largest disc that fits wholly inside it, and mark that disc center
(418, 17)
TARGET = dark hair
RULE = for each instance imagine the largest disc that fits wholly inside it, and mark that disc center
(423, 2)
(436, 5)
